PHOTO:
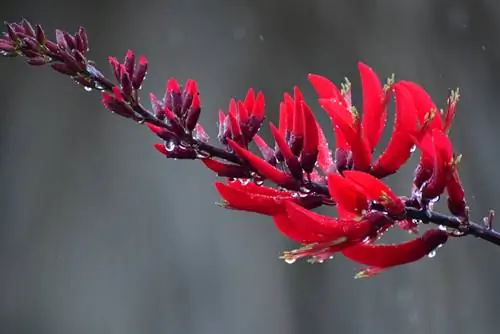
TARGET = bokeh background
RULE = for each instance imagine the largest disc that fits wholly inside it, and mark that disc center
(100, 234)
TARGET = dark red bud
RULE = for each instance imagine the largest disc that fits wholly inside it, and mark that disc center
(193, 114)
(63, 69)
(82, 33)
(37, 61)
(128, 62)
(40, 34)
(28, 28)
(140, 72)
(126, 84)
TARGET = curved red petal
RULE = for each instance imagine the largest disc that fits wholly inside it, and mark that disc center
(424, 104)
(326, 89)
(373, 107)
(291, 159)
(310, 149)
(226, 170)
(391, 255)
(264, 168)
(377, 191)
(347, 195)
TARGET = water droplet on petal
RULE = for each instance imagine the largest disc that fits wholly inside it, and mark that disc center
(431, 254)
(258, 182)
(290, 260)
(442, 228)
(244, 182)
(413, 148)
(170, 145)
(88, 89)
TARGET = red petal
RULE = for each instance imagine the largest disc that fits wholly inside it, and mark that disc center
(386, 256)
(291, 159)
(239, 199)
(311, 139)
(298, 126)
(373, 107)
(289, 228)
(249, 100)
(242, 112)
(162, 149)
(259, 106)
(234, 124)
(226, 170)
(326, 89)
(173, 86)
(423, 103)
(443, 159)
(264, 168)
(347, 194)
(456, 195)
(348, 124)
(377, 191)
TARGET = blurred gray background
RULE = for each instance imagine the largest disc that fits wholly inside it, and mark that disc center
(100, 234)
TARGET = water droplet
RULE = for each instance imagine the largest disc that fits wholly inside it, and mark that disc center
(290, 260)
(442, 228)
(244, 182)
(88, 89)
(413, 148)
(431, 254)
(232, 180)
(202, 155)
(258, 182)
(170, 145)
(434, 200)
(295, 195)
(305, 190)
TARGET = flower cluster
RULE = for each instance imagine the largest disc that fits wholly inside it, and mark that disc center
(298, 171)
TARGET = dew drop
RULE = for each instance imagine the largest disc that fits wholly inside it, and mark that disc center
(290, 260)
(88, 89)
(202, 155)
(431, 254)
(170, 146)
(413, 148)
(258, 182)
(244, 182)
(442, 228)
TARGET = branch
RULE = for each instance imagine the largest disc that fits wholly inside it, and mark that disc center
(67, 56)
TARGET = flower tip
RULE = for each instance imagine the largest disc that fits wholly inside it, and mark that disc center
(161, 148)
(143, 60)
(173, 85)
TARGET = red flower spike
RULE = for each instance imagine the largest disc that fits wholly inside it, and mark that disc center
(310, 151)
(140, 72)
(424, 105)
(226, 170)
(264, 168)
(249, 100)
(325, 236)
(348, 124)
(375, 190)
(326, 89)
(325, 159)
(265, 150)
(381, 257)
(291, 159)
(347, 195)
(129, 63)
(401, 144)
(374, 111)
(456, 195)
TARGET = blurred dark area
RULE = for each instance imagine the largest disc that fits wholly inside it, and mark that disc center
(100, 234)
